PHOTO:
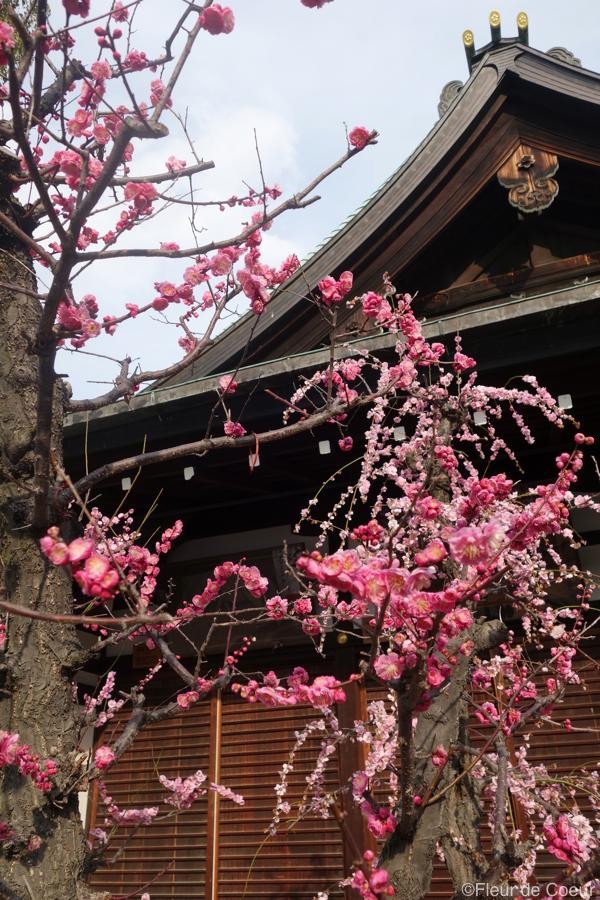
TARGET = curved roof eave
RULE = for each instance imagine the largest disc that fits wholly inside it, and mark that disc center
(528, 64)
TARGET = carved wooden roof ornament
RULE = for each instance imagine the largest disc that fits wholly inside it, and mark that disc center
(564, 55)
(528, 177)
(449, 93)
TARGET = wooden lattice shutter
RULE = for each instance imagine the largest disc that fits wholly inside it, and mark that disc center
(565, 753)
(295, 864)
(248, 748)
(173, 747)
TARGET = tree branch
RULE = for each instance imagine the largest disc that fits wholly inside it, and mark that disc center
(297, 201)
(500, 799)
(101, 621)
(125, 384)
(141, 460)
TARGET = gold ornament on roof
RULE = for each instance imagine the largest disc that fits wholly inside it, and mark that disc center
(494, 18)
(468, 38)
(522, 20)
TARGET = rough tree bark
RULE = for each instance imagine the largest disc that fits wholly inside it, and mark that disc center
(36, 695)
(453, 820)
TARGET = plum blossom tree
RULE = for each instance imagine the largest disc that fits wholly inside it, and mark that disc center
(70, 193)
(427, 555)
(448, 568)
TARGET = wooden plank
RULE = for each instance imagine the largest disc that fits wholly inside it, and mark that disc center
(214, 767)
(174, 849)
(484, 289)
(294, 863)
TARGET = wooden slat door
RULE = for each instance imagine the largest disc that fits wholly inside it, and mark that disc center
(297, 863)
(567, 753)
(252, 743)
(174, 747)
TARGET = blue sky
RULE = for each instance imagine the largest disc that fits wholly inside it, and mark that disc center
(297, 75)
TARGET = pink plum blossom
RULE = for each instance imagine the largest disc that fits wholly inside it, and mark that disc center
(7, 41)
(565, 841)
(276, 607)
(439, 757)
(217, 19)
(389, 666)
(104, 757)
(141, 194)
(227, 384)
(332, 291)
(175, 165)
(234, 429)
(359, 137)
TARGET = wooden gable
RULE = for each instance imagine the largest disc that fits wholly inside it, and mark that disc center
(445, 225)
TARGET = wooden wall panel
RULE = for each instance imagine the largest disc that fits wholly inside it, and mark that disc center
(254, 744)
(565, 754)
(297, 863)
(173, 747)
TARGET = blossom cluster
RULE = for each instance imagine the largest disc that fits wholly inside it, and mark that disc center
(249, 576)
(437, 541)
(324, 691)
(133, 817)
(7, 41)
(333, 292)
(13, 753)
(370, 881)
(569, 838)
(185, 791)
(102, 562)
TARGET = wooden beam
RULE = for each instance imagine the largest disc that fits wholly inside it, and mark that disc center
(484, 289)
(213, 823)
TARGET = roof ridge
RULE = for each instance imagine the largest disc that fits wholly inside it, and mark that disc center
(495, 62)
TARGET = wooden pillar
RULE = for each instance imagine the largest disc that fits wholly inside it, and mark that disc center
(212, 825)
(352, 757)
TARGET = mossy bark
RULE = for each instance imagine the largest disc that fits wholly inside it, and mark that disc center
(36, 698)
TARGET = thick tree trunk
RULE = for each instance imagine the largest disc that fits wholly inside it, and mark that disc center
(452, 821)
(36, 696)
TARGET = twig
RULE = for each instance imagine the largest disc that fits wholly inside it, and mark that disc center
(100, 621)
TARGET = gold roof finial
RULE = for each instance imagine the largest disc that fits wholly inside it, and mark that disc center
(469, 43)
(523, 26)
(495, 25)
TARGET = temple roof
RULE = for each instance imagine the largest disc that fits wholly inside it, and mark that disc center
(515, 98)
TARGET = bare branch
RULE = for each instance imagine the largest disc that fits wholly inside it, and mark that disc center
(101, 621)
(500, 798)
(297, 201)
(38, 72)
(202, 166)
(125, 384)
(177, 70)
(21, 138)
(141, 460)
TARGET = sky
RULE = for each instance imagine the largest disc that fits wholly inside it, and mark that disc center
(298, 77)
